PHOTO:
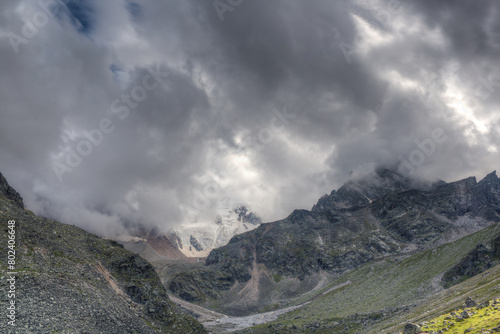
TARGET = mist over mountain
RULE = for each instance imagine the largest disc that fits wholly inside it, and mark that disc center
(194, 240)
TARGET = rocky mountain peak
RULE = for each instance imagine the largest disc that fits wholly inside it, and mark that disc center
(362, 189)
(9, 192)
(246, 216)
(470, 181)
(491, 178)
(198, 238)
(490, 187)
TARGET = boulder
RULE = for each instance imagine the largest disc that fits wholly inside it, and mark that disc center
(465, 315)
(411, 329)
(484, 304)
(470, 303)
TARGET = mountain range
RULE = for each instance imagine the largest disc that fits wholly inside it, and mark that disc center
(380, 218)
(382, 254)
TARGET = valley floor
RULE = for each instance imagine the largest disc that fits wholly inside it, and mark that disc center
(217, 322)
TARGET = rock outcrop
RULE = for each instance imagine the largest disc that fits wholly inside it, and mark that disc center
(477, 261)
(10, 193)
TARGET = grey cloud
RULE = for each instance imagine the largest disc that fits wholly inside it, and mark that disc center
(225, 78)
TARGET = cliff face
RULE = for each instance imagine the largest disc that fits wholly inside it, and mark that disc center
(68, 280)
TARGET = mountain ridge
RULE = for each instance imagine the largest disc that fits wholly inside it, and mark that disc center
(363, 221)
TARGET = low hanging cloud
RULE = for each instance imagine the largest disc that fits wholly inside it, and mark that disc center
(121, 116)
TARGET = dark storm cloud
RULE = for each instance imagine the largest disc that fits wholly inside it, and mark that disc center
(294, 93)
(81, 14)
(472, 28)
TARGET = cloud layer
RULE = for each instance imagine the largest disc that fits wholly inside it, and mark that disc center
(119, 116)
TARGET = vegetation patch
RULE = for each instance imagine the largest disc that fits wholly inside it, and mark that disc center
(483, 318)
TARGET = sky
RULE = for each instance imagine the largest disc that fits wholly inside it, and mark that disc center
(123, 115)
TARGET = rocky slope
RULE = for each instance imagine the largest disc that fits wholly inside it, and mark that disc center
(71, 281)
(367, 219)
